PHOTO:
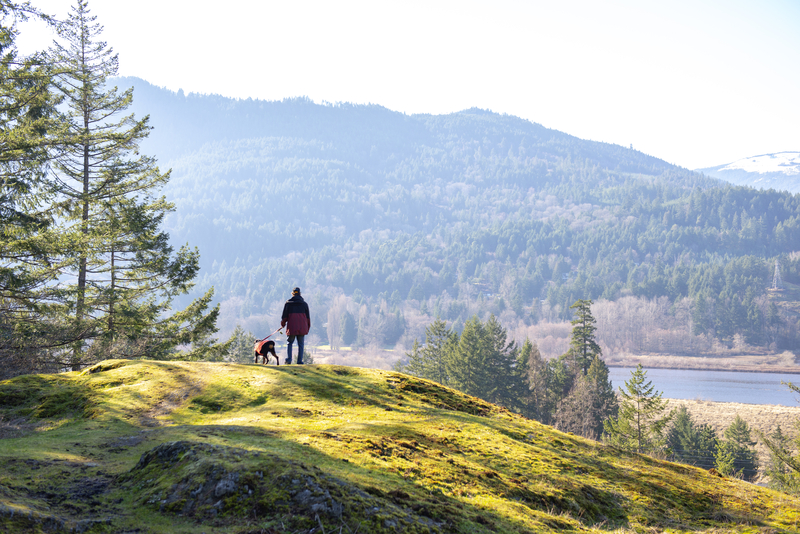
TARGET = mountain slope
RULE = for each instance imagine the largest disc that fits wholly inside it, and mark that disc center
(181, 447)
(780, 171)
(406, 217)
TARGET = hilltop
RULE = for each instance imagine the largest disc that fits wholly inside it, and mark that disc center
(145, 446)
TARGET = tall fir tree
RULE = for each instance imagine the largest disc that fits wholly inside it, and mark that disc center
(506, 380)
(468, 365)
(32, 249)
(582, 345)
(642, 419)
(125, 272)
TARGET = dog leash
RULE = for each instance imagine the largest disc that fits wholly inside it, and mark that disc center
(269, 336)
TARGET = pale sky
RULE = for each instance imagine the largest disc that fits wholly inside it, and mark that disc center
(697, 83)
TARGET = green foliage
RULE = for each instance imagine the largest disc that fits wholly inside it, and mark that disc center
(736, 455)
(641, 421)
(690, 444)
(780, 473)
(583, 347)
(784, 464)
(241, 345)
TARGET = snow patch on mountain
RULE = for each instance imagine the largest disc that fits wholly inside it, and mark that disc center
(780, 171)
(787, 163)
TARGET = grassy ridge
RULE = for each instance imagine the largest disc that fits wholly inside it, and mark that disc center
(167, 447)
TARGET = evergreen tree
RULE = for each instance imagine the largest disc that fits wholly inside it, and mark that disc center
(781, 476)
(736, 455)
(126, 273)
(241, 346)
(32, 247)
(784, 465)
(468, 367)
(690, 444)
(583, 347)
(430, 360)
(506, 381)
(536, 396)
(641, 421)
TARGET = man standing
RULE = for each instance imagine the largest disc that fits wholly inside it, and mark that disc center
(297, 320)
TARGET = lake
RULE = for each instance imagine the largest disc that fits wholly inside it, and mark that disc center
(718, 386)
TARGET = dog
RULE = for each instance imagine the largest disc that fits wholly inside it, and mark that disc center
(264, 349)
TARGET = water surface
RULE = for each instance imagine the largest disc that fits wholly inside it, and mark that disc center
(718, 386)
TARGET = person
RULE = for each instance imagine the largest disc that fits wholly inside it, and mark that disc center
(297, 320)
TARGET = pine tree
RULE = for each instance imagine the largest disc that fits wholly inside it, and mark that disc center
(467, 367)
(31, 250)
(430, 360)
(784, 465)
(241, 346)
(736, 455)
(781, 476)
(536, 396)
(690, 444)
(505, 381)
(126, 273)
(583, 346)
(641, 421)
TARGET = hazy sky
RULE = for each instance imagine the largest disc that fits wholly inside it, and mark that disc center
(697, 83)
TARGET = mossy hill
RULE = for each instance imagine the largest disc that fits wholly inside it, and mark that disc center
(151, 447)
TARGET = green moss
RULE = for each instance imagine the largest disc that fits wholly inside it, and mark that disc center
(365, 450)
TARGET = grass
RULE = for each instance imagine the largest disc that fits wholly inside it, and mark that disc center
(211, 447)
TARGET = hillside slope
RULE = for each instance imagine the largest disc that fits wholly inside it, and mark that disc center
(142, 446)
(388, 220)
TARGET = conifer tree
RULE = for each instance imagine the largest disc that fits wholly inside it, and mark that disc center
(430, 360)
(690, 444)
(583, 346)
(736, 455)
(468, 367)
(537, 393)
(505, 381)
(781, 476)
(31, 250)
(126, 273)
(641, 421)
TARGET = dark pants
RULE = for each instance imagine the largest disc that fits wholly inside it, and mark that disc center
(300, 342)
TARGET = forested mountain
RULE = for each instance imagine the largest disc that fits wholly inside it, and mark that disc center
(779, 171)
(387, 220)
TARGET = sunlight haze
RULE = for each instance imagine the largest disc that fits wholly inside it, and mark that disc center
(694, 83)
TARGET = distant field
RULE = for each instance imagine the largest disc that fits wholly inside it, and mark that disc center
(785, 362)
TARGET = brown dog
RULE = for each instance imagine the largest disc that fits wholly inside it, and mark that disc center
(264, 348)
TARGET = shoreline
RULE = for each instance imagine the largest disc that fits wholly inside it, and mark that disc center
(794, 370)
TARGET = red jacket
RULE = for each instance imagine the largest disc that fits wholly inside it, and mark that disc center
(295, 317)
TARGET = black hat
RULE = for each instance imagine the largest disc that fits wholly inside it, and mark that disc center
(296, 291)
